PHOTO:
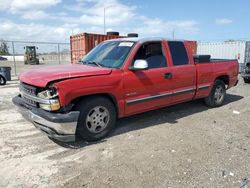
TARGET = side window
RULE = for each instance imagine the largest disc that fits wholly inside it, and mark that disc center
(178, 53)
(153, 54)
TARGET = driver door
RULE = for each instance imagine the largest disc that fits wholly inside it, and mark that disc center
(148, 89)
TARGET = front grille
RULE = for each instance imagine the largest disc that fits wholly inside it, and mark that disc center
(28, 90)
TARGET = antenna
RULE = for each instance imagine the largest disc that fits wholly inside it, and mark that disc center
(173, 33)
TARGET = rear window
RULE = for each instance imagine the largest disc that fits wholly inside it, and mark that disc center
(178, 53)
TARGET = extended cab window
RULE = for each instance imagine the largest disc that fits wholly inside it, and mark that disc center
(153, 54)
(178, 53)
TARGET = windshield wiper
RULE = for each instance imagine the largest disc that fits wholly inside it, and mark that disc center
(91, 62)
(95, 63)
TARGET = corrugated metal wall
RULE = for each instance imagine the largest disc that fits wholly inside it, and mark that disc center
(193, 46)
(224, 50)
(247, 52)
(81, 44)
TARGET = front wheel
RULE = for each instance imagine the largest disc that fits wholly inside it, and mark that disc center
(217, 95)
(97, 118)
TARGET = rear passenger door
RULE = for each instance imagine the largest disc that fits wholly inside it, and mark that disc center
(183, 73)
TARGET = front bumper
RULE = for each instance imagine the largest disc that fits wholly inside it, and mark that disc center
(59, 126)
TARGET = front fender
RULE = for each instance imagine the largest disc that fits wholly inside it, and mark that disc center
(71, 89)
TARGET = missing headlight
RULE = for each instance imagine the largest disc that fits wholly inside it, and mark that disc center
(48, 93)
(51, 95)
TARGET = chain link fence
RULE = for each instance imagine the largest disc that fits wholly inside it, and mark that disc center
(48, 53)
(13, 53)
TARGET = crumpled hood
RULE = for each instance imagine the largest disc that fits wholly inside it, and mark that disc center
(40, 77)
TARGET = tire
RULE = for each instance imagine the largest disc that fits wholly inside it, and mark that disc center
(97, 118)
(246, 80)
(113, 33)
(2, 80)
(217, 94)
(133, 35)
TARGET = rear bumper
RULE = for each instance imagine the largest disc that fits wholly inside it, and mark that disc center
(244, 75)
(59, 126)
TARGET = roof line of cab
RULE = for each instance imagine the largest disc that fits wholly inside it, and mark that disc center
(142, 40)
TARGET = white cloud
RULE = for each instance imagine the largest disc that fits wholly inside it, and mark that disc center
(28, 9)
(115, 12)
(19, 5)
(165, 28)
(223, 21)
(86, 16)
(5, 5)
(36, 32)
(35, 15)
(125, 19)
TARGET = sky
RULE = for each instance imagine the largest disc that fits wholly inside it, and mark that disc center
(56, 20)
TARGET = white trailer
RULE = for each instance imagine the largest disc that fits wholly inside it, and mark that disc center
(225, 50)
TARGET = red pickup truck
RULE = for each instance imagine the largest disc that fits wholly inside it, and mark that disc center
(120, 78)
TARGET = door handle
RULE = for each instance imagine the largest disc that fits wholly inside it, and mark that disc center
(168, 75)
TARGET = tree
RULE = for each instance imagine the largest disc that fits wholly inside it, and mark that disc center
(4, 50)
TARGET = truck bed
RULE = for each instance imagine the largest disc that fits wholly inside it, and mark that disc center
(198, 59)
(226, 69)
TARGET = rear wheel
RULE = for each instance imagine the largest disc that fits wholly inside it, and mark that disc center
(246, 80)
(97, 118)
(217, 95)
(2, 80)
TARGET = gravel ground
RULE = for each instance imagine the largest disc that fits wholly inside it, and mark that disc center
(186, 145)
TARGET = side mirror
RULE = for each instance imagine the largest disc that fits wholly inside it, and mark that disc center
(140, 64)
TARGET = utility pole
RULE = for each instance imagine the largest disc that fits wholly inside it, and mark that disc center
(104, 18)
(59, 54)
(14, 58)
(173, 34)
(104, 21)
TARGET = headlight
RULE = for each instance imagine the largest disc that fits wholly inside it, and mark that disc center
(51, 97)
(54, 105)
(48, 93)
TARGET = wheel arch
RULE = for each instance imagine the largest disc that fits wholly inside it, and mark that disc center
(109, 96)
(224, 78)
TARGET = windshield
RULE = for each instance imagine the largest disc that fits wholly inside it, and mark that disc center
(30, 49)
(109, 54)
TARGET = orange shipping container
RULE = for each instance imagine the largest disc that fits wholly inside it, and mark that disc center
(81, 44)
(193, 46)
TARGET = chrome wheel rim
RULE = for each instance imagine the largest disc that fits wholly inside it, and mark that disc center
(97, 119)
(218, 94)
